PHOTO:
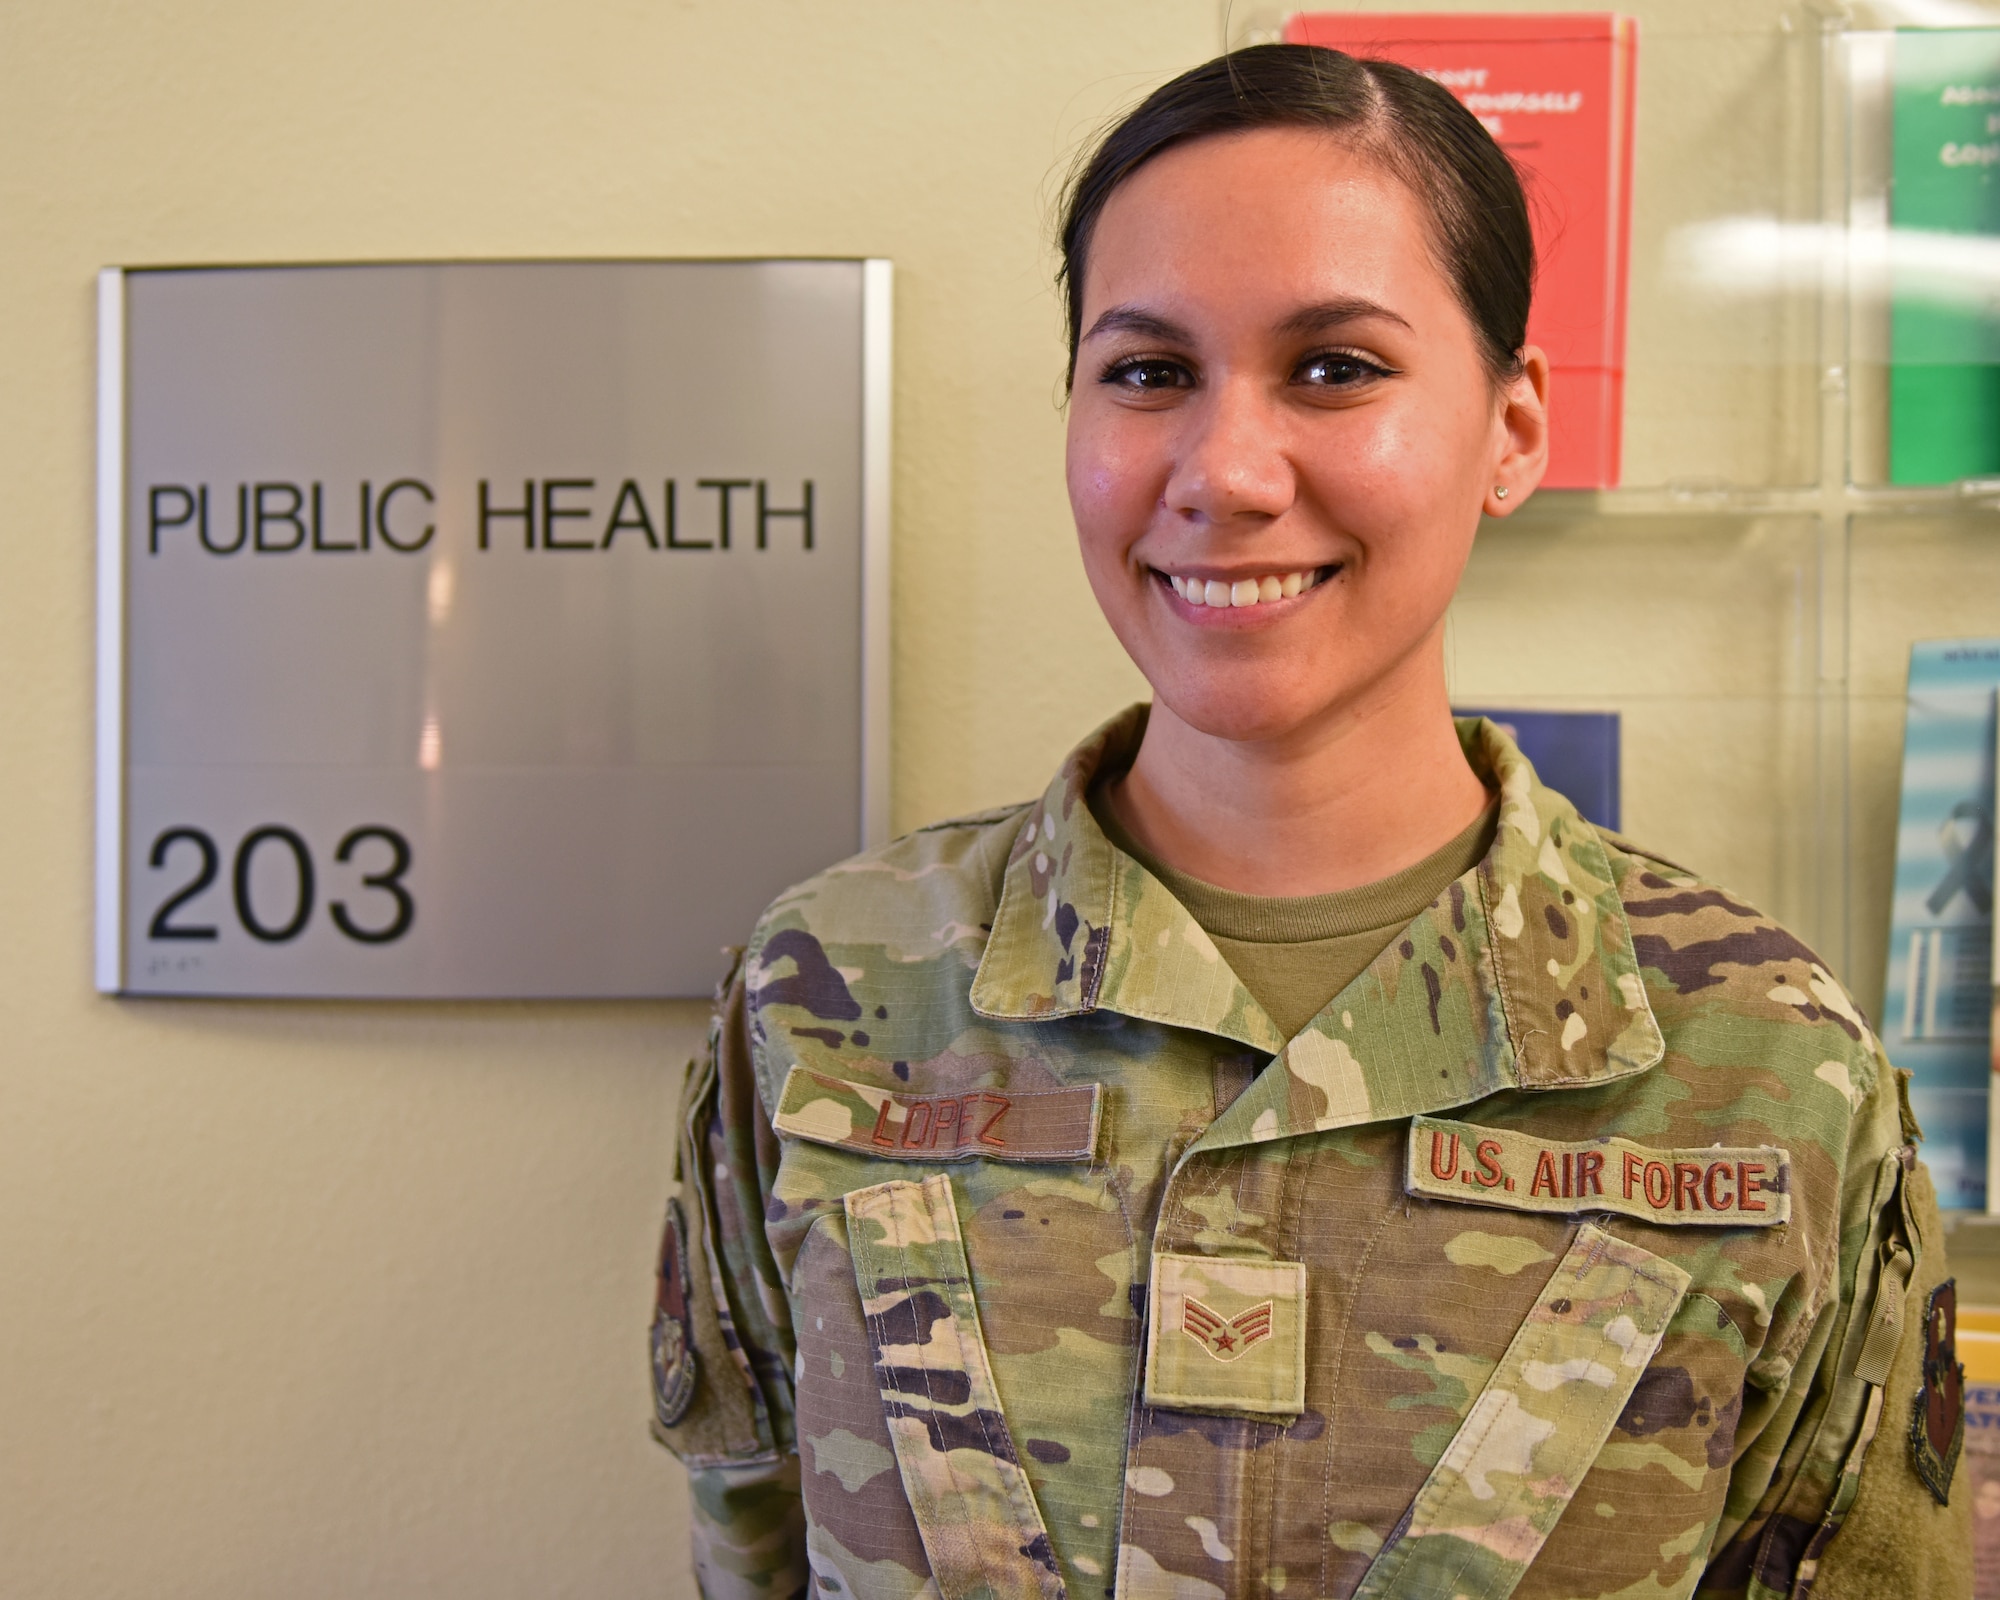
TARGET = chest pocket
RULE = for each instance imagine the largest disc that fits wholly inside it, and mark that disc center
(981, 1529)
(917, 1470)
(1509, 1473)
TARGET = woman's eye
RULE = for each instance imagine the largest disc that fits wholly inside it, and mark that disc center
(1339, 370)
(1149, 376)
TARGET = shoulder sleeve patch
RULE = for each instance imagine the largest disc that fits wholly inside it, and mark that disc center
(1715, 1187)
(1937, 1416)
(989, 1124)
(721, 1389)
(675, 1364)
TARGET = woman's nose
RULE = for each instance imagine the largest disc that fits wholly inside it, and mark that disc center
(1231, 462)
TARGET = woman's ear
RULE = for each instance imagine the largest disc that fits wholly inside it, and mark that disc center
(1524, 423)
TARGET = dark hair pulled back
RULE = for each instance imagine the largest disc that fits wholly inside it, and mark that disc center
(1416, 128)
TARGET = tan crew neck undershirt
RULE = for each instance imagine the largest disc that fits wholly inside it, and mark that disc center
(1295, 953)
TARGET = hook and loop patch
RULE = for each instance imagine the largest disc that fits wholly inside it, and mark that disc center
(1937, 1417)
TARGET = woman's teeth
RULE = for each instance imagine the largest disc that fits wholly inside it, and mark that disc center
(1244, 591)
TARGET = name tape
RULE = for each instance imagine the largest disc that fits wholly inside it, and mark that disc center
(1717, 1187)
(998, 1124)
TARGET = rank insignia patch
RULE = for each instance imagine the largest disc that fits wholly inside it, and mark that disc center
(1937, 1417)
(1227, 1334)
(1225, 1338)
(675, 1365)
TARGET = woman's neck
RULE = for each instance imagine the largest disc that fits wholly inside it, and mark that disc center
(1346, 802)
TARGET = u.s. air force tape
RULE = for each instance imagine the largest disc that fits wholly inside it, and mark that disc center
(1719, 1187)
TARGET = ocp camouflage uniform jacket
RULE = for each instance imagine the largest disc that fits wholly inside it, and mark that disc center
(1567, 1252)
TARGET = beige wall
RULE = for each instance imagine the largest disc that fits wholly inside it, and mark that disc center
(343, 1300)
(336, 1300)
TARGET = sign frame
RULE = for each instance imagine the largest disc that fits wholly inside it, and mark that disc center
(112, 732)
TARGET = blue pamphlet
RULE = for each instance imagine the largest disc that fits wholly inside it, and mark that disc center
(1937, 1006)
(1573, 752)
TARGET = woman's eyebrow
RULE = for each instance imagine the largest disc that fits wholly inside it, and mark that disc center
(1317, 318)
(1132, 319)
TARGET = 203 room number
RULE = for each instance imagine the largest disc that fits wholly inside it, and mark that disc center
(381, 914)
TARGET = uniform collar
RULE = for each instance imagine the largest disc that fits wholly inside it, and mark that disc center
(1520, 976)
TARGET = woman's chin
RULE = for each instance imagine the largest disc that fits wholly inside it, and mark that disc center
(1250, 710)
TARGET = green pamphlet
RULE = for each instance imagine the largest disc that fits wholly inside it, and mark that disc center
(1944, 376)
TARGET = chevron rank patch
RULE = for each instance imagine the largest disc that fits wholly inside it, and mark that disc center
(1225, 1338)
(1714, 1186)
(1227, 1335)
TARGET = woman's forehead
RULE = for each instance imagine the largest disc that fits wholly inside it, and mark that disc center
(1267, 217)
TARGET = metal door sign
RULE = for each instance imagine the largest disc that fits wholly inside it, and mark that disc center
(483, 630)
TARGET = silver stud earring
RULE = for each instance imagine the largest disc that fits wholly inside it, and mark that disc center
(1499, 494)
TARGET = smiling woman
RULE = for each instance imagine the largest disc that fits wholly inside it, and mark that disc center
(1298, 1154)
(1252, 407)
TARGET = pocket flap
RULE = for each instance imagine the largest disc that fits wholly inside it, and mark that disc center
(974, 1508)
(1512, 1468)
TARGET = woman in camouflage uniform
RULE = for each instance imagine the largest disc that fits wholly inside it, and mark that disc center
(1298, 1154)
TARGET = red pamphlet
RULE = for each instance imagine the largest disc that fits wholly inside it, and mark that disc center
(1556, 91)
